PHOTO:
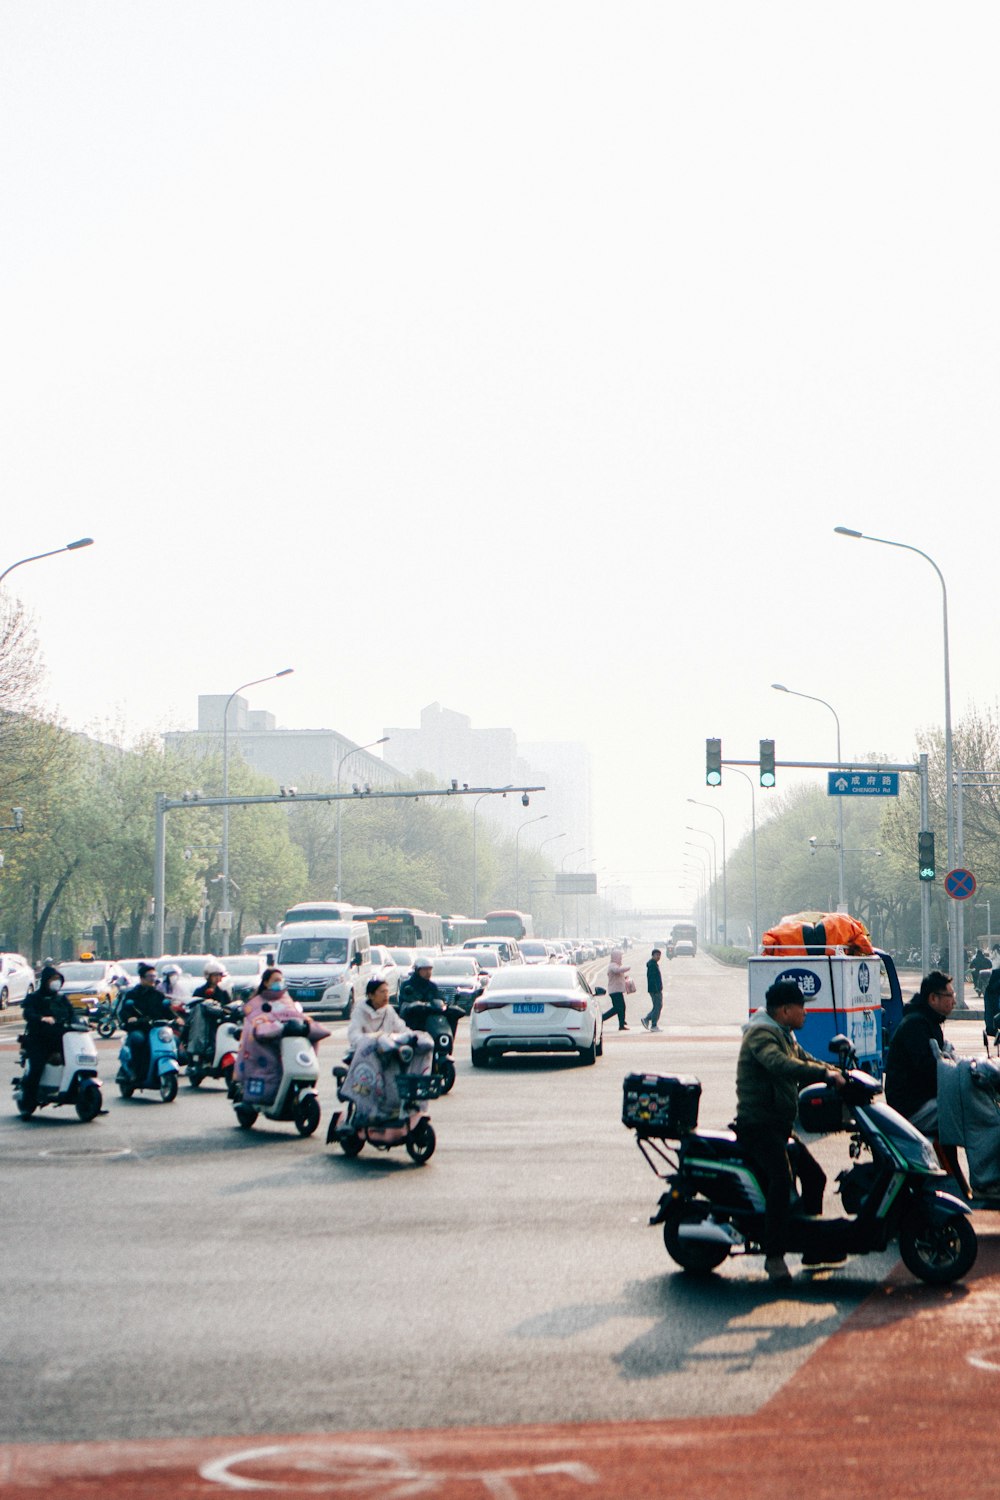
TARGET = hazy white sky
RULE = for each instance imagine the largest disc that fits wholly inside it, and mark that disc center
(519, 356)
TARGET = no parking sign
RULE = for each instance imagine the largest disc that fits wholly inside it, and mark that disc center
(960, 884)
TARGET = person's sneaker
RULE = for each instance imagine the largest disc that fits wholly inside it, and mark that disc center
(776, 1268)
(651, 1027)
(645, 1023)
(624, 1026)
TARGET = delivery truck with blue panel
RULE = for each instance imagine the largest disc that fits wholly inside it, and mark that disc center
(854, 996)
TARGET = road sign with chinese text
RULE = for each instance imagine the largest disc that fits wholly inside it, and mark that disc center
(862, 783)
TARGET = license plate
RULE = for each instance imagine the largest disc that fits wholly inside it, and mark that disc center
(307, 994)
(521, 1008)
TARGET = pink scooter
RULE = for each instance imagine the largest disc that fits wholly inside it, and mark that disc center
(406, 1123)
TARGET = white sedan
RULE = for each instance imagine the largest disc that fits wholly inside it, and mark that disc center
(537, 1008)
(17, 979)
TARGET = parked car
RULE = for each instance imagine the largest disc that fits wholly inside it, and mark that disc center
(89, 981)
(459, 978)
(537, 1008)
(17, 979)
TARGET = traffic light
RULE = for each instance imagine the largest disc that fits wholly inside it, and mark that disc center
(767, 763)
(713, 762)
(925, 854)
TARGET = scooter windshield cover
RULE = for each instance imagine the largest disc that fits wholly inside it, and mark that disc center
(904, 1140)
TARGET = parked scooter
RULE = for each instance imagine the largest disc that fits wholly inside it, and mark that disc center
(67, 1078)
(296, 1098)
(440, 1021)
(406, 1123)
(162, 1063)
(714, 1203)
(213, 1040)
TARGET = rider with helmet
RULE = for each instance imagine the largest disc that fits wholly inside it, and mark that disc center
(206, 1009)
(420, 987)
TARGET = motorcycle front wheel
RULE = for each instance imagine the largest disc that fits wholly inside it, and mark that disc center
(106, 1029)
(938, 1253)
(695, 1256)
(88, 1101)
(420, 1145)
(447, 1074)
(168, 1087)
(306, 1114)
(245, 1116)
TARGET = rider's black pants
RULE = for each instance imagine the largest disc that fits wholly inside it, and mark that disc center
(779, 1161)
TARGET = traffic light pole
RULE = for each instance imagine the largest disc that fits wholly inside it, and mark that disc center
(165, 804)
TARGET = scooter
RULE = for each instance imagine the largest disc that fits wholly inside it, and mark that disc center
(408, 1125)
(296, 1098)
(714, 1203)
(213, 1040)
(163, 1066)
(69, 1078)
(440, 1022)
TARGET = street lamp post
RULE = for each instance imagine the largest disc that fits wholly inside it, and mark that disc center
(715, 877)
(551, 840)
(562, 899)
(355, 750)
(725, 897)
(84, 541)
(285, 671)
(779, 687)
(956, 937)
(517, 857)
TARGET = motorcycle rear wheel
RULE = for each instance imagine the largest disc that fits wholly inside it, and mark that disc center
(938, 1253)
(88, 1101)
(691, 1255)
(106, 1029)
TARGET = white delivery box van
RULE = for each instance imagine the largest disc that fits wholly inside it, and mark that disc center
(326, 964)
(856, 997)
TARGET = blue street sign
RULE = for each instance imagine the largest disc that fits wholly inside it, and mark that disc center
(960, 884)
(862, 783)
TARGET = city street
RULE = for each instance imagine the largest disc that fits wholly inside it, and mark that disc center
(168, 1275)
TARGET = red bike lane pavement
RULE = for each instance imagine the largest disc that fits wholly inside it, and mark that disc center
(901, 1401)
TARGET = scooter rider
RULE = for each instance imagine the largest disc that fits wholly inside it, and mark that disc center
(144, 1005)
(769, 1073)
(48, 1015)
(420, 987)
(205, 1009)
(911, 1066)
(374, 1016)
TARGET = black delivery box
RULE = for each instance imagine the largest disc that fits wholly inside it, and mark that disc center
(660, 1104)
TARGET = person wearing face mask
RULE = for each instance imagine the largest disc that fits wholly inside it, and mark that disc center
(47, 1016)
(270, 1014)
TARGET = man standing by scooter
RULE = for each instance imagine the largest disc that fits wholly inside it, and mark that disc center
(771, 1069)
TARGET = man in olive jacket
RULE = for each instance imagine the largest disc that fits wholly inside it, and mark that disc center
(771, 1069)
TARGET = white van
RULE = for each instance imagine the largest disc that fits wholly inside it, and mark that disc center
(326, 964)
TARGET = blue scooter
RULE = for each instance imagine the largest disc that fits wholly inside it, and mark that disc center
(163, 1065)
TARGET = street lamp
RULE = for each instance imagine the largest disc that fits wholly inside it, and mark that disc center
(355, 750)
(517, 857)
(84, 541)
(285, 671)
(956, 923)
(725, 898)
(562, 899)
(779, 687)
(715, 875)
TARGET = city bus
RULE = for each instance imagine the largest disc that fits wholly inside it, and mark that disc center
(401, 927)
(457, 929)
(515, 924)
(326, 911)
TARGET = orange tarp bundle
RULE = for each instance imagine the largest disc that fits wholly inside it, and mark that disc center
(810, 934)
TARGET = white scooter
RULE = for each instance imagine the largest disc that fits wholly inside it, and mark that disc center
(71, 1079)
(296, 1098)
(211, 1053)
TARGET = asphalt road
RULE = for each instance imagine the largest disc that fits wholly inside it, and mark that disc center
(166, 1274)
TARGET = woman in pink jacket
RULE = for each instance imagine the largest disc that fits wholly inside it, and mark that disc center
(259, 1058)
(617, 978)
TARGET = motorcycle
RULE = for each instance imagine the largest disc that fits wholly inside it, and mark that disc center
(714, 1203)
(213, 1039)
(440, 1022)
(106, 1017)
(162, 1065)
(296, 1098)
(404, 1122)
(69, 1077)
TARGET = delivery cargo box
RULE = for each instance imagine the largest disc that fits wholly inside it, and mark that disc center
(857, 997)
(660, 1104)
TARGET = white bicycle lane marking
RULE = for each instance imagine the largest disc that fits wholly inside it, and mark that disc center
(362, 1469)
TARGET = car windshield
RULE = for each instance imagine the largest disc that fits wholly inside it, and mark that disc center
(80, 973)
(312, 951)
(248, 965)
(488, 958)
(455, 966)
(538, 978)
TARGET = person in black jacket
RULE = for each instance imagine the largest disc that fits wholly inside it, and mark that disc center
(911, 1066)
(654, 984)
(420, 987)
(144, 1004)
(48, 1015)
(991, 1001)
